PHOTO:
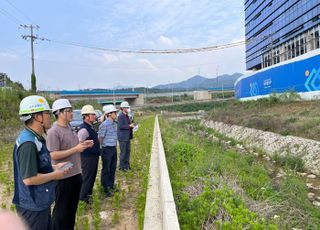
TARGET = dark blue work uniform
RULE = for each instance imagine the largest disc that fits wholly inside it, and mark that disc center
(124, 137)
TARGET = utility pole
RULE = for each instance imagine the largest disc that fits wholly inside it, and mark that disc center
(222, 92)
(172, 94)
(32, 39)
(114, 100)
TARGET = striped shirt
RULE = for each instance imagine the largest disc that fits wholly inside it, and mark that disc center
(108, 131)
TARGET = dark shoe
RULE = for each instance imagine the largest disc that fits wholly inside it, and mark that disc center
(123, 169)
(109, 194)
(87, 200)
(114, 190)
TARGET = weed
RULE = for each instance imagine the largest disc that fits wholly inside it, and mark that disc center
(116, 200)
(291, 120)
(259, 151)
(96, 209)
(116, 217)
(86, 225)
(80, 211)
(292, 162)
(214, 203)
(305, 112)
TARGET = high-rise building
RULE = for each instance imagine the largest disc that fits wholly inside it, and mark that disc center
(278, 30)
(282, 49)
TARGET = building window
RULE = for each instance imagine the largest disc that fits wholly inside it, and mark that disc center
(293, 53)
(278, 56)
(297, 48)
(317, 42)
(302, 45)
(311, 40)
(289, 52)
(285, 53)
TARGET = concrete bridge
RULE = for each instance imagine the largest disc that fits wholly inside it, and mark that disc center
(102, 97)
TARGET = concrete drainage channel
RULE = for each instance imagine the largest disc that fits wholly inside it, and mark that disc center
(160, 210)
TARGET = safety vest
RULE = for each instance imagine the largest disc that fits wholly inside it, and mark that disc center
(33, 197)
(95, 149)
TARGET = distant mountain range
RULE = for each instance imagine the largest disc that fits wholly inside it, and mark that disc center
(200, 82)
(122, 87)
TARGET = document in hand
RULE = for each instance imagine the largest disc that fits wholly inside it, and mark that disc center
(135, 128)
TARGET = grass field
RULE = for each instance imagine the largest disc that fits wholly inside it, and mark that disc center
(216, 187)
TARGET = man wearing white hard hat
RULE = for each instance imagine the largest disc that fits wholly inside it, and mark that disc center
(124, 136)
(34, 175)
(108, 139)
(63, 144)
(90, 156)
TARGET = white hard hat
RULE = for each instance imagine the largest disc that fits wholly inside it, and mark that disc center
(33, 104)
(109, 109)
(124, 104)
(87, 109)
(60, 104)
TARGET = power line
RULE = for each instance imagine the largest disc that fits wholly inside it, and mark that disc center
(151, 51)
(157, 51)
(23, 14)
(10, 16)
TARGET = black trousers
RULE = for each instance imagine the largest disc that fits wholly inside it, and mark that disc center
(124, 154)
(36, 220)
(109, 165)
(89, 166)
(66, 203)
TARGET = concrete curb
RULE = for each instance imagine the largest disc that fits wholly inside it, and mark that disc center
(160, 210)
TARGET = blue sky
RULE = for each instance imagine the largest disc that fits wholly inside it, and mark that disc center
(123, 24)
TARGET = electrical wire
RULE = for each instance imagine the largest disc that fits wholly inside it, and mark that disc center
(158, 51)
(151, 51)
(18, 10)
(10, 16)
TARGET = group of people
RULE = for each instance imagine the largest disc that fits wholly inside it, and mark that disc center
(58, 164)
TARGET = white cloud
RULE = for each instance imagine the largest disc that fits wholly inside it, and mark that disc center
(8, 55)
(146, 63)
(165, 41)
(110, 58)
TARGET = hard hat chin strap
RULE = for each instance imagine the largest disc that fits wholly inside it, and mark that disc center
(41, 122)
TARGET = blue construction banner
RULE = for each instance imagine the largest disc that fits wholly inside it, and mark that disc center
(300, 75)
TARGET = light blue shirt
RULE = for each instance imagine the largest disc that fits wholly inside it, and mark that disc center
(108, 131)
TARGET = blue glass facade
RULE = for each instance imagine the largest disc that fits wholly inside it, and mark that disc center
(274, 29)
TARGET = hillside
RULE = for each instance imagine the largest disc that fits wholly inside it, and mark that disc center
(279, 115)
(200, 82)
